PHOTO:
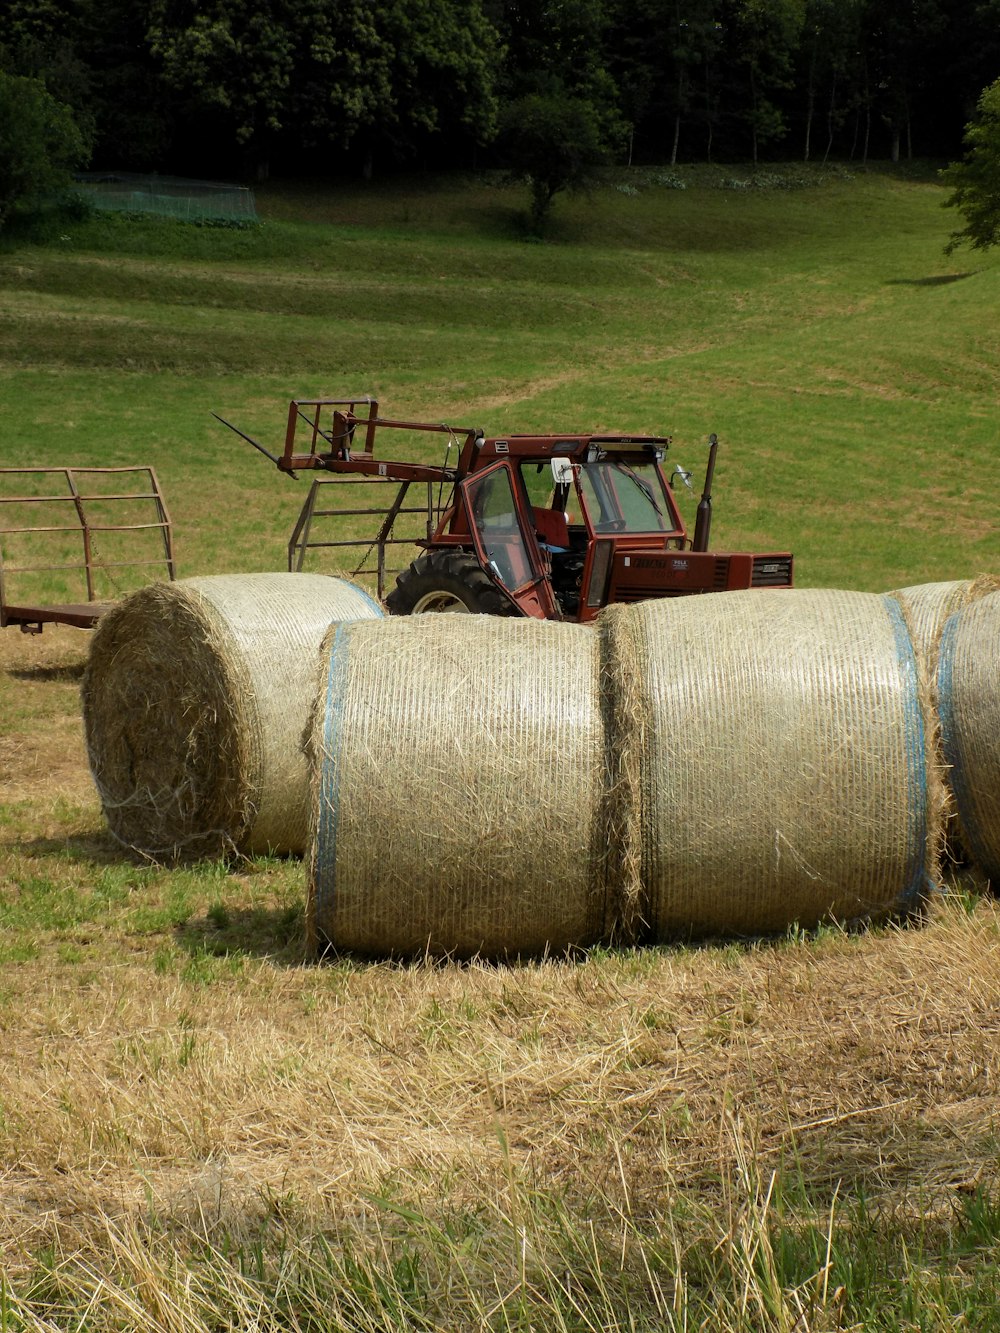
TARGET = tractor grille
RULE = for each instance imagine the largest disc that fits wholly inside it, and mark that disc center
(640, 576)
(648, 594)
(709, 574)
(771, 571)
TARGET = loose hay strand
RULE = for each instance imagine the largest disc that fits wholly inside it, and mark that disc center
(627, 722)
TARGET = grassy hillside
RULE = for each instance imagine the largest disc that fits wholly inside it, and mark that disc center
(198, 1130)
(848, 367)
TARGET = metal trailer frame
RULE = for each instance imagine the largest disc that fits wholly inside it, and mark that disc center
(31, 618)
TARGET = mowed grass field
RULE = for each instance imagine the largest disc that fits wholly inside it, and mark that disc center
(200, 1129)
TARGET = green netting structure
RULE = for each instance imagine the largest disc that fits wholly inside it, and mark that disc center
(168, 196)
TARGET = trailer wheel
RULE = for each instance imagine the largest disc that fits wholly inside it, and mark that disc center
(447, 581)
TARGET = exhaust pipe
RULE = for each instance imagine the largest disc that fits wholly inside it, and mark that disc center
(703, 523)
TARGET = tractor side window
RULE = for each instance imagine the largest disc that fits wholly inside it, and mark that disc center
(495, 518)
(537, 479)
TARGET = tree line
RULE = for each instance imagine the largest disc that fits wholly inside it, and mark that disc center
(239, 88)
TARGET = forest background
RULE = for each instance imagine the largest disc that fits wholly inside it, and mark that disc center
(244, 88)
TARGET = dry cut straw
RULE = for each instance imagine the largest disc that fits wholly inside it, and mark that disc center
(778, 739)
(195, 699)
(460, 787)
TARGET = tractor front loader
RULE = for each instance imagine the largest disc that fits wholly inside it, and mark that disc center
(550, 526)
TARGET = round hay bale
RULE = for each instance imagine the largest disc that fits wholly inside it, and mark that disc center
(459, 789)
(927, 607)
(969, 705)
(196, 697)
(777, 743)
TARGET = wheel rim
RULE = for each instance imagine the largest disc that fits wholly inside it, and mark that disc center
(439, 601)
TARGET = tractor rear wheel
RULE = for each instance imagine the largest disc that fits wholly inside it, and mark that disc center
(447, 581)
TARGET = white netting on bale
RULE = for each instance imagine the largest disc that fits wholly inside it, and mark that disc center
(928, 606)
(777, 745)
(458, 804)
(196, 698)
(969, 705)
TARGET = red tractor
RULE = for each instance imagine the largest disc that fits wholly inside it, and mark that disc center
(550, 526)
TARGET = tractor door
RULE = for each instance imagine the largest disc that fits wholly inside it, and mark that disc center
(505, 543)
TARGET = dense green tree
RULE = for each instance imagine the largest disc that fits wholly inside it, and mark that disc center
(133, 111)
(765, 37)
(696, 37)
(393, 80)
(554, 40)
(830, 38)
(975, 181)
(40, 142)
(41, 39)
(904, 43)
(222, 86)
(562, 122)
(93, 56)
(332, 73)
(556, 141)
(635, 54)
(662, 55)
(446, 62)
(974, 51)
(229, 60)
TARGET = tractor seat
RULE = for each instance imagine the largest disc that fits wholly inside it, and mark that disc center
(552, 528)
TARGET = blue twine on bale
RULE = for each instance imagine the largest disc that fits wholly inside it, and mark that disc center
(325, 857)
(952, 743)
(367, 597)
(919, 883)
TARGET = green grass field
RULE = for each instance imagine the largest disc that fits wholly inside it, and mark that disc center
(848, 367)
(201, 1131)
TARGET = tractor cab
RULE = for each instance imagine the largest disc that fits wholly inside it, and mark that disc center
(547, 527)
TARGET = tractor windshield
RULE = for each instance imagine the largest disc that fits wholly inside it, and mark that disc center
(626, 497)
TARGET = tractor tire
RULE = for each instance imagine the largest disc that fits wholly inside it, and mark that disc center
(447, 581)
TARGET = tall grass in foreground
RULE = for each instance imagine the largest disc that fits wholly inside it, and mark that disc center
(755, 1257)
(199, 1134)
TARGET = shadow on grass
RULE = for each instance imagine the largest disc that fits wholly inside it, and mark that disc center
(278, 934)
(91, 849)
(938, 280)
(66, 672)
